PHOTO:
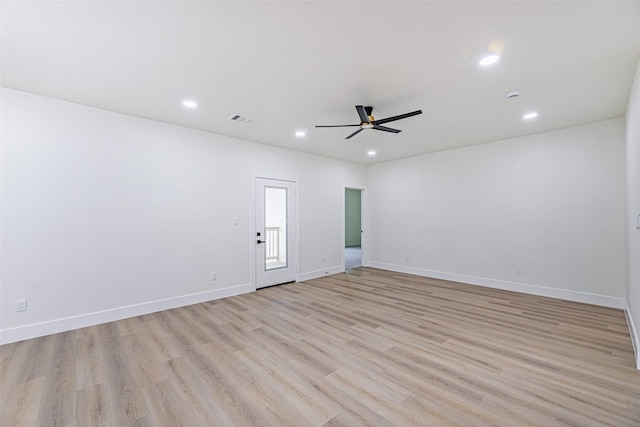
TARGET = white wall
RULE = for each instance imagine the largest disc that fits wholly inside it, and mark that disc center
(550, 203)
(633, 208)
(106, 216)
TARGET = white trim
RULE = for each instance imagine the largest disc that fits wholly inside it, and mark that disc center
(364, 224)
(602, 300)
(321, 273)
(90, 319)
(633, 332)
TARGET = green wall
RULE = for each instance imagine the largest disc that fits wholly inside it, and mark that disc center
(352, 217)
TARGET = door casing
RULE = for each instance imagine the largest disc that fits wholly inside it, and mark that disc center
(364, 241)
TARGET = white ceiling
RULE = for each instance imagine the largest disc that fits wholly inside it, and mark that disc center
(292, 65)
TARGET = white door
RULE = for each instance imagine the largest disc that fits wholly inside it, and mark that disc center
(275, 232)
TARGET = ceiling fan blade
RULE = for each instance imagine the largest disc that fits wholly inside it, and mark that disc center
(394, 118)
(386, 129)
(364, 118)
(355, 133)
(334, 126)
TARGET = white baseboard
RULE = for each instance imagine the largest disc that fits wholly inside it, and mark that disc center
(320, 273)
(635, 339)
(603, 300)
(35, 330)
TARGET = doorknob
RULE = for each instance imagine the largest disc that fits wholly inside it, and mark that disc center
(261, 241)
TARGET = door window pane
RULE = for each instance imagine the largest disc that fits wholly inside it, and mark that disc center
(275, 219)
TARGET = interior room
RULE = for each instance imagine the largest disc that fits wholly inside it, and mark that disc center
(320, 213)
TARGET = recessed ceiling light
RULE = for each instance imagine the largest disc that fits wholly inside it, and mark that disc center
(489, 59)
(371, 152)
(530, 116)
(190, 104)
(300, 133)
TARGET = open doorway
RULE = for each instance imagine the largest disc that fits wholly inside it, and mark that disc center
(352, 228)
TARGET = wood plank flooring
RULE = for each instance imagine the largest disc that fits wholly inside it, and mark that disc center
(366, 348)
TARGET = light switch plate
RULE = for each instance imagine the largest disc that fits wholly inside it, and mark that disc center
(638, 221)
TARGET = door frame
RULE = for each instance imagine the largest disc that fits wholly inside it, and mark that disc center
(252, 220)
(364, 224)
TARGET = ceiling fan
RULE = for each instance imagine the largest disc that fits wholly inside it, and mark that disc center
(367, 121)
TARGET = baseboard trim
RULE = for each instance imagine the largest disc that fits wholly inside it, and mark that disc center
(35, 330)
(320, 273)
(635, 338)
(602, 300)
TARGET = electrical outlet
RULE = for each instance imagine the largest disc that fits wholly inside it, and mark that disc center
(212, 276)
(407, 258)
(322, 259)
(518, 270)
(21, 305)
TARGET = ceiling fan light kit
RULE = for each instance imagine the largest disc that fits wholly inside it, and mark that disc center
(367, 121)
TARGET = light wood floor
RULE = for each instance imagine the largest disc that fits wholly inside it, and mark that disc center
(365, 348)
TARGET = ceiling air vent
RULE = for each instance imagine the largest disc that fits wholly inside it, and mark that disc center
(513, 95)
(242, 119)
